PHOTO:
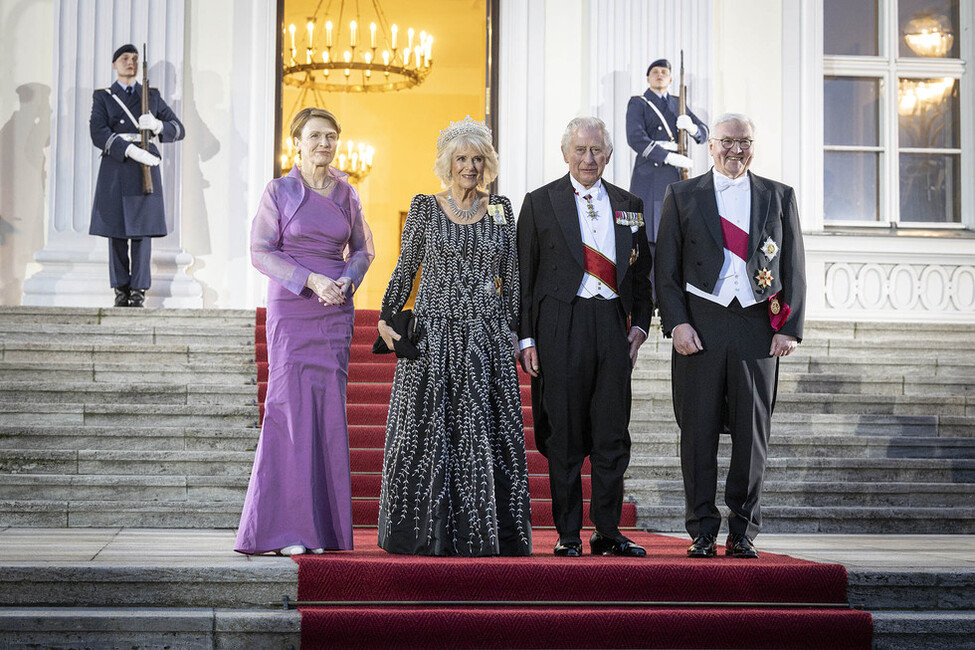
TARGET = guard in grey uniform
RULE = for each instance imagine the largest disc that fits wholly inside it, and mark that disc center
(122, 211)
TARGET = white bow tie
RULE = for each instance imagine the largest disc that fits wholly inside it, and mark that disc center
(721, 182)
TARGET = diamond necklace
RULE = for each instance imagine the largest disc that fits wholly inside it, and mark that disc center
(463, 214)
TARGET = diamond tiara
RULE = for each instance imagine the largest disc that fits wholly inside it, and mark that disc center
(462, 128)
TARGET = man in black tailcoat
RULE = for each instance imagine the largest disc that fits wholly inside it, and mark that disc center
(122, 211)
(585, 309)
(731, 287)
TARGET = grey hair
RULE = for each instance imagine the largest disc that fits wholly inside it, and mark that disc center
(476, 141)
(739, 118)
(583, 124)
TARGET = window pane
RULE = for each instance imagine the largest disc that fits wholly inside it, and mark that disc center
(928, 113)
(928, 28)
(851, 190)
(930, 188)
(852, 109)
(850, 28)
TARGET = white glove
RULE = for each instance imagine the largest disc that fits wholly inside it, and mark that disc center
(678, 160)
(142, 156)
(148, 122)
(685, 123)
(669, 145)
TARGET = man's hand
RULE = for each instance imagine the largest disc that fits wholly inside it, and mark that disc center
(685, 123)
(529, 360)
(141, 156)
(686, 340)
(636, 337)
(782, 345)
(149, 122)
(677, 160)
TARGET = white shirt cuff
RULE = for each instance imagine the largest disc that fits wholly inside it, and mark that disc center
(526, 343)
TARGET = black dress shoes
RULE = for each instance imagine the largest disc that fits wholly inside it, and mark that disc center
(568, 549)
(137, 297)
(702, 546)
(121, 296)
(599, 544)
(740, 546)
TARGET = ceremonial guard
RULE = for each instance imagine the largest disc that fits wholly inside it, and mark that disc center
(128, 205)
(653, 122)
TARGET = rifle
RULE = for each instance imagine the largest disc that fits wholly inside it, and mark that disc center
(681, 110)
(146, 170)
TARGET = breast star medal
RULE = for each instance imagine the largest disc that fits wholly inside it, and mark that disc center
(770, 248)
(497, 213)
(764, 278)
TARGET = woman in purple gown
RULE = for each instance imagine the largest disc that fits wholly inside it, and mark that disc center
(310, 239)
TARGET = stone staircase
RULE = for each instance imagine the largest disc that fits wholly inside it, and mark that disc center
(148, 418)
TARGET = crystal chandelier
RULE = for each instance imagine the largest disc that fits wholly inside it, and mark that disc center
(929, 35)
(337, 57)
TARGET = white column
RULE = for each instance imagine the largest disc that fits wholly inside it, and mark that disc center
(74, 265)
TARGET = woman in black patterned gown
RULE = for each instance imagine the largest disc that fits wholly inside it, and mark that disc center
(455, 480)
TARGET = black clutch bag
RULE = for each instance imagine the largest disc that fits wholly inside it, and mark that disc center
(404, 324)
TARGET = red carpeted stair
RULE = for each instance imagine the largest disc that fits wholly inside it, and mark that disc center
(367, 598)
(370, 379)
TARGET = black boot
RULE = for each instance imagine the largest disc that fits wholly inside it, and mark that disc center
(122, 296)
(137, 297)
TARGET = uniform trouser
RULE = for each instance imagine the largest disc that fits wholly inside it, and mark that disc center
(584, 357)
(730, 385)
(120, 273)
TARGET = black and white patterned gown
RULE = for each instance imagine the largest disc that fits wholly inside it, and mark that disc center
(455, 480)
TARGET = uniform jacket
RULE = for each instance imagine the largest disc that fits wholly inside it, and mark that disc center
(550, 254)
(690, 248)
(643, 131)
(120, 208)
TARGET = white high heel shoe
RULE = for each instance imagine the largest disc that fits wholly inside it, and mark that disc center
(294, 549)
(317, 551)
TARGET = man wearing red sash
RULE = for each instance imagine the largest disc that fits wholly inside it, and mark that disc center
(731, 286)
(585, 310)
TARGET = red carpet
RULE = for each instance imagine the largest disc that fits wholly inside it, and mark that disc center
(367, 598)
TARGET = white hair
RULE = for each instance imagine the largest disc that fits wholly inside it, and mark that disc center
(739, 118)
(584, 124)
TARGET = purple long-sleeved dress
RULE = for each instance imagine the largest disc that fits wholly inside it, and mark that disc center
(300, 487)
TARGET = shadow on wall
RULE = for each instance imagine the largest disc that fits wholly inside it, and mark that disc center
(23, 174)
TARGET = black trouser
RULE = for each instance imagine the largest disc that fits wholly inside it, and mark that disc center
(118, 262)
(729, 385)
(584, 358)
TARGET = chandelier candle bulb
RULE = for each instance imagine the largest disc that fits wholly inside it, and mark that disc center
(328, 34)
(291, 29)
(409, 40)
(311, 31)
(372, 35)
(395, 30)
(353, 34)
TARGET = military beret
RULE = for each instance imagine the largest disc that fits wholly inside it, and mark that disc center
(128, 47)
(659, 63)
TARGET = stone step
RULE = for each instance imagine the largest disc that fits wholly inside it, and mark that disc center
(241, 372)
(903, 589)
(145, 628)
(32, 352)
(59, 513)
(128, 437)
(783, 423)
(815, 445)
(146, 333)
(86, 392)
(907, 630)
(921, 470)
(658, 381)
(646, 404)
(831, 520)
(826, 494)
(131, 488)
(122, 463)
(172, 318)
(127, 415)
